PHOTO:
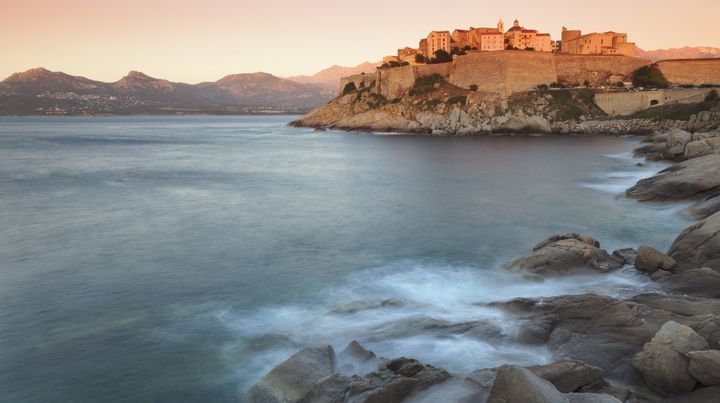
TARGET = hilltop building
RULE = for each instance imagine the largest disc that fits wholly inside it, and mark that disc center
(437, 40)
(518, 37)
(606, 43)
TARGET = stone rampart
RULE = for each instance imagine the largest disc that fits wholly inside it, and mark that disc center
(691, 71)
(504, 72)
(597, 70)
(627, 103)
(360, 80)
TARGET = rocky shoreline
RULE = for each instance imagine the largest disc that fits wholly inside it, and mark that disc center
(662, 346)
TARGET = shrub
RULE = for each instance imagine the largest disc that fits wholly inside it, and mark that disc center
(712, 96)
(349, 87)
(651, 77)
(426, 84)
(556, 85)
(619, 85)
(395, 101)
(473, 87)
(419, 58)
(441, 56)
(433, 103)
(530, 49)
(543, 87)
(458, 99)
(586, 83)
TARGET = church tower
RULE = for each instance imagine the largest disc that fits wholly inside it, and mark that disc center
(501, 26)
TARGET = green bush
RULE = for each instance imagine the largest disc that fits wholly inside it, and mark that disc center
(441, 56)
(650, 77)
(586, 83)
(543, 87)
(458, 99)
(433, 103)
(473, 87)
(349, 87)
(426, 84)
(712, 96)
(419, 58)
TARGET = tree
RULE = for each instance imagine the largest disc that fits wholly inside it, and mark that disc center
(586, 83)
(442, 56)
(467, 47)
(473, 87)
(651, 77)
(349, 87)
(419, 58)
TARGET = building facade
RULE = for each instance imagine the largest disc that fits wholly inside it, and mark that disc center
(606, 43)
(437, 40)
(518, 37)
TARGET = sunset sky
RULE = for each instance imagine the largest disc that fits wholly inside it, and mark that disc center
(194, 41)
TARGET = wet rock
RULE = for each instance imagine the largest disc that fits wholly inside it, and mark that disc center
(515, 384)
(423, 325)
(709, 329)
(649, 260)
(705, 366)
(697, 178)
(357, 352)
(702, 282)
(331, 389)
(702, 395)
(570, 376)
(356, 359)
(698, 245)
(364, 305)
(566, 254)
(536, 332)
(394, 382)
(293, 379)
(663, 361)
(591, 398)
(704, 208)
(700, 148)
(652, 152)
(628, 255)
(676, 141)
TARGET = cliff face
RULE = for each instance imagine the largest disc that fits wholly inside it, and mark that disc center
(434, 106)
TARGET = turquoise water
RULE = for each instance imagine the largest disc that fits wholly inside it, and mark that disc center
(152, 259)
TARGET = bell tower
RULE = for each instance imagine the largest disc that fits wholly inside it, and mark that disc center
(501, 26)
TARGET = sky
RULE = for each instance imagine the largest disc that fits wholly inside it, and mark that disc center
(194, 41)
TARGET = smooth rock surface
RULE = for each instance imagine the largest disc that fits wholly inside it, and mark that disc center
(649, 260)
(663, 361)
(515, 384)
(698, 245)
(692, 179)
(705, 366)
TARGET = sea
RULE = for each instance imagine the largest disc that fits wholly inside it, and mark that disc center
(180, 258)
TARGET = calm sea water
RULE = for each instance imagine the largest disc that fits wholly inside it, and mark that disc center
(177, 259)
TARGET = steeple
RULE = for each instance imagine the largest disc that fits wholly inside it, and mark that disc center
(501, 26)
(516, 24)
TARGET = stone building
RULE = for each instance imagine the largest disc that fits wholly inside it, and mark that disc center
(437, 40)
(407, 55)
(606, 43)
(518, 37)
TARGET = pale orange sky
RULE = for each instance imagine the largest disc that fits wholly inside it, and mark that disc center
(194, 41)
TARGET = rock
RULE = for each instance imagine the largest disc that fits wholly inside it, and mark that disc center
(407, 327)
(698, 148)
(605, 332)
(364, 305)
(356, 359)
(702, 395)
(566, 254)
(702, 282)
(709, 329)
(698, 245)
(652, 152)
(571, 376)
(628, 255)
(515, 384)
(650, 260)
(331, 389)
(676, 141)
(705, 366)
(591, 398)
(293, 379)
(698, 178)
(704, 208)
(660, 275)
(357, 352)
(663, 362)
(394, 382)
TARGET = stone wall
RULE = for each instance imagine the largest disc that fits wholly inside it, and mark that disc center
(598, 70)
(393, 82)
(504, 72)
(691, 72)
(626, 103)
(360, 80)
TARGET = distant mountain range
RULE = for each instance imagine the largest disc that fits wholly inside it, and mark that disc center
(39, 91)
(699, 52)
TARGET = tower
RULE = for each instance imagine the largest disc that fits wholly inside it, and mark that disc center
(516, 24)
(501, 26)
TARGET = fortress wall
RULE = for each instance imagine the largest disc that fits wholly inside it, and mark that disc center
(392, 82)
(596, 69)
(626, 103)
(504, 72)
(691, 72)
(360, 80)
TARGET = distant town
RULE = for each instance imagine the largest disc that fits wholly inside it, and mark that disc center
(443, 46)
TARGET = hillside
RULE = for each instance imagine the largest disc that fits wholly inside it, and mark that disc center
(329, 78)
(698, 52)
(40, 91)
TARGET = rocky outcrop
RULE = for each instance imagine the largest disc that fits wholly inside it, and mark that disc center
(566, 254)
(702, 282)
(705, 366)
(650, 260)
(296, 377)
(570, 376)
(699, 245)
(664, 361)
(698, 178)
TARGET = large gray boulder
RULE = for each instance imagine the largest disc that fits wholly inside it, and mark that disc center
(702, 282)
(570, 376)
(565, 254)
(676, 141)
(294, 378)
(699, 148)
(695, 179)
(395, 381)
(698, 245)
(663, 362)
(515, 384)
(650, 260)
(705, 366)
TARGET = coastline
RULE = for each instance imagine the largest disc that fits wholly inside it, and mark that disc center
(613, 360)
